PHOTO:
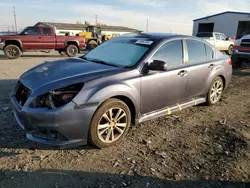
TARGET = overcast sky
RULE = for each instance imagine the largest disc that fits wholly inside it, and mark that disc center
(164, 15)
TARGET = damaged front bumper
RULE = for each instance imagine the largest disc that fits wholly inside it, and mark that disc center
(66, 126)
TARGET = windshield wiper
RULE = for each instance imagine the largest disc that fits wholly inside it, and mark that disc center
(99, 61)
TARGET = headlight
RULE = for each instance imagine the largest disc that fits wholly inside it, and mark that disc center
(237, 42)
(57, 98)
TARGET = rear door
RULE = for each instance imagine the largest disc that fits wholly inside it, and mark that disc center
(49, 41)
(32, 38)
(200, 65)
(161, 89)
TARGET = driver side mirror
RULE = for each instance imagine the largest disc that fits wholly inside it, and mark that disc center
(157, 65)
(228, 38)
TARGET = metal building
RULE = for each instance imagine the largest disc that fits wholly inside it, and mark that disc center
(232, 24)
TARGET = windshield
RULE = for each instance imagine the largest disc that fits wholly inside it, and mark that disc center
(205, 35)
(118, 53)
(20, 32)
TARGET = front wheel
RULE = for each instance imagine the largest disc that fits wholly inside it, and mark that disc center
(110, 123)
(91, 45)
(215, 91)
(12, 51)
(71, 50)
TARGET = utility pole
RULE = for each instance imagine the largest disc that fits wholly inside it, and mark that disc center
(147, 26)
(95, 19)
(14, 11)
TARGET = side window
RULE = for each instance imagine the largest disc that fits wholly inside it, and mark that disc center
(222, 37)
(33, 31)
(217, 36)
(209, 52)
(47, 32)
(171, 53)
(196, 51)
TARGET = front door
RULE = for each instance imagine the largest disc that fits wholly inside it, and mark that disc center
(32, 38)
(162, 89)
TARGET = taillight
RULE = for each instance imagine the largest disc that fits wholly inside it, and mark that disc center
(230, 61)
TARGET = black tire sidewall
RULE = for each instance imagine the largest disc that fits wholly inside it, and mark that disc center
(209, 102)
(110, 103)
(230, 52)
(12, 46)
(71, 46)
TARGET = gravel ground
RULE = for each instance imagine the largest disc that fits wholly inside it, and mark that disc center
(198, 147)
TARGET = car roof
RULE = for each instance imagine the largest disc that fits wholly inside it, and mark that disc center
(154, 36)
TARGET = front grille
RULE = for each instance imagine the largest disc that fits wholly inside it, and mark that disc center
(22, 94)
(48, 135)
(245, 43)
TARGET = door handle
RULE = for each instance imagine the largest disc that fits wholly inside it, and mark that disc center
(211, 66)
(182, 73)
(39, 37)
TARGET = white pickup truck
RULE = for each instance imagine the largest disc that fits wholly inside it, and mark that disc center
(218, 40)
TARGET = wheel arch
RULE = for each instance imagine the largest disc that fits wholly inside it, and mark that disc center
(16, 42)
(74, 42)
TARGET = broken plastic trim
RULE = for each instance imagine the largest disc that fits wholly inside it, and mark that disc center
(57, 98)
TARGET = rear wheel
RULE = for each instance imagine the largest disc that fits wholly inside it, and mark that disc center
(12, 51)
(110, 123)
(215, 91)
(230, 50)
(92, 44)
(71, 50)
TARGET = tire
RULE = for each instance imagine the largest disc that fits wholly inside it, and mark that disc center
(236, 62)
(71, 50)
(91, 45)
(101, 129)
(215, 89)
(61, 52)
(230, 50)
(12, 51)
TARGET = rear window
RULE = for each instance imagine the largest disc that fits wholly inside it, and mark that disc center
(47, 32)
(204, 35)
(196, 51)
(209, 52)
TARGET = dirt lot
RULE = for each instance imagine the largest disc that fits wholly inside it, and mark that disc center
(198, 147)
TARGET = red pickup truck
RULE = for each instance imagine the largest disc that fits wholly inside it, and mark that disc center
(39, 38)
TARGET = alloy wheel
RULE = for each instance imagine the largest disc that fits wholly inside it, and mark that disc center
(12, 52)
(216, 91)
(112, 125)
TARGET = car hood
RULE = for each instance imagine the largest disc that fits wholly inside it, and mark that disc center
(61, 73)
(8, 36)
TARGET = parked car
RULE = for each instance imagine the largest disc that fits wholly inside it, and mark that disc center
(218, 40)
(129, 79)
(241, 51)
(39, 38)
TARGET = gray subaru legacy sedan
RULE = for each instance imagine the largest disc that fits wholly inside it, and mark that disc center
(129, 79)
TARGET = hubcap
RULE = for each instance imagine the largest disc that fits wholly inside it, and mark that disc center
(72, 51)
(12, 52)
(112, 125)
(216, 91)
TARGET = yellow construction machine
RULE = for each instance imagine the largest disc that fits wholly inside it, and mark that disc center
(93, 36)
